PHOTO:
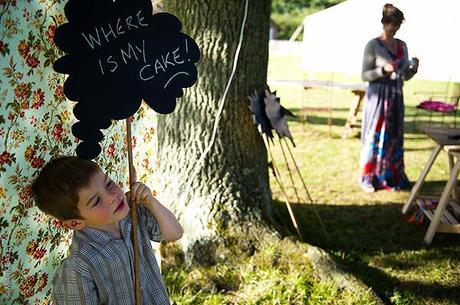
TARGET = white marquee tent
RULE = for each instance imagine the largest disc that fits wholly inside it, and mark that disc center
(334, 39)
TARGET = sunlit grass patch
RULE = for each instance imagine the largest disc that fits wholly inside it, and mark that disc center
(276, 273)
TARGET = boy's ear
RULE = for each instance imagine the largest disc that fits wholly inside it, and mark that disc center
(74, 224)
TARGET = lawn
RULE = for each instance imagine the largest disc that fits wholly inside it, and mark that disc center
(367, 233)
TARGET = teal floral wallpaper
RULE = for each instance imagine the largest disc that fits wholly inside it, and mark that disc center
(35, 122)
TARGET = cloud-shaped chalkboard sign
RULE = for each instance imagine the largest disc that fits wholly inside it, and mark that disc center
(118, 53)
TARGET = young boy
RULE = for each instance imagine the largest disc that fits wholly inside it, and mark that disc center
(99, 268)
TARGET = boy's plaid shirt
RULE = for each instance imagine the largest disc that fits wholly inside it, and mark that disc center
(99, 269)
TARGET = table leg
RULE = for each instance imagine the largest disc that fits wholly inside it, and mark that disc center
(303, 109)
(352, 118)
(442, 204)
(451, 165)
(418, 185)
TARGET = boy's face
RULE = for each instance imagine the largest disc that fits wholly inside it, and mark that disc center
(102, 204)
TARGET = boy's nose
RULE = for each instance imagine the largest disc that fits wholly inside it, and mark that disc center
(112, 198)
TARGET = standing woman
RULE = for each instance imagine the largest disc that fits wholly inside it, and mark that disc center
(385, 67)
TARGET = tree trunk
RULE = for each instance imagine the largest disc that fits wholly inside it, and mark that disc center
(231, 188)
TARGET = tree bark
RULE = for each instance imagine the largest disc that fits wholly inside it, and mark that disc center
(231, 189)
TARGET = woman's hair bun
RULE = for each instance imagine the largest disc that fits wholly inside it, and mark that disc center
(391, 14)
(388, 8)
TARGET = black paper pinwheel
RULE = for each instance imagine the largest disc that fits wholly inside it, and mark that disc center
(277, 114)
(268, 114)
(260, 118)
(118, 54)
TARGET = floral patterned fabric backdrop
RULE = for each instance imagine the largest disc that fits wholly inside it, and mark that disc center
(35, 124)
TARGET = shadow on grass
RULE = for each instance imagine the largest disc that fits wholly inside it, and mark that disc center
(413, 292)
(414, 132)
(334, 109)
(323, 120)
(359, 232)
(365, 229)
(428, 148)
(314, 118)
(414, 121)
(412, 128)
(417, 127)
(434, 187)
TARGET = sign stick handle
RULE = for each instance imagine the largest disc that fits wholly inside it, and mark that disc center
(133, 210)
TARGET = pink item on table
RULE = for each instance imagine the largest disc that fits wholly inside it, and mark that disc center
(437, 106)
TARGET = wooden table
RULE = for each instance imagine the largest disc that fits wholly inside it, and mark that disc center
(441, 219)
(358, 90)
(352, 125)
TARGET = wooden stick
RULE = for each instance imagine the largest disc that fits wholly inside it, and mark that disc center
(286, 198)
(315, 211)
(137, 284)
(289, 171)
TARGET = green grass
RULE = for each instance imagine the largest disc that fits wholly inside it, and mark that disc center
(368, 234)
(275, 273)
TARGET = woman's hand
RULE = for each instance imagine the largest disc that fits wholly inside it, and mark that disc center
(413, 65)
(388, 68)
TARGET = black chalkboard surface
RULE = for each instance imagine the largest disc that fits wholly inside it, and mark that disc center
(118, 53)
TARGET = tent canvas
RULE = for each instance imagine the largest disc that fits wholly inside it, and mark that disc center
(334, 38)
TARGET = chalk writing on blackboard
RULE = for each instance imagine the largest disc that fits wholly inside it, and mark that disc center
(118, 54)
